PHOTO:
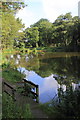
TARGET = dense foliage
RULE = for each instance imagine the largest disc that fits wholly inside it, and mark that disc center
(12, 6)
(67, 108)
(10, 30)
(64, 32)
(10, 25)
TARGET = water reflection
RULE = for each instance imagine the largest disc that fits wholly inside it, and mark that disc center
(42, 70)
(64, 64)
(47, 86)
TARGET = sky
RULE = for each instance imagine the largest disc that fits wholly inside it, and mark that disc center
(48, 9)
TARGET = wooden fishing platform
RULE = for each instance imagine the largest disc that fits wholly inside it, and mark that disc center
(24, 97)
(27, 87)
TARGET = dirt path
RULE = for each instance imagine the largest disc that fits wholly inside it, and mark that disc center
(34, 107)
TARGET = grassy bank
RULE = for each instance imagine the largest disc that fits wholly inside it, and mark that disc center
(11, 75)
(59, 49)
(54, 49)
(10, 107)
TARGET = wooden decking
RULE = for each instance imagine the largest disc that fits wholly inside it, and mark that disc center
(22, 100)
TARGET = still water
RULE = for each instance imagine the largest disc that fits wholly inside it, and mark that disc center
(49, 71)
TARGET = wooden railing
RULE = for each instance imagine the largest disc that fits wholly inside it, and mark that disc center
(28, 86)
(9, 90)
(35, 93)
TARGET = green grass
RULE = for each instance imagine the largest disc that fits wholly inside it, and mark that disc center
(53, 49)
(57, 49)
(10, 107)
(11, 75)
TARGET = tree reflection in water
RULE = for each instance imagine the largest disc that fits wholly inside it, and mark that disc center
(44, 69)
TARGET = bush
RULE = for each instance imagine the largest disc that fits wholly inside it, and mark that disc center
(69, 105)
(67, 108)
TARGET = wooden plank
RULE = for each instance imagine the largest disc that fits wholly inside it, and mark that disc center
(9, 86)
(7, 93)
(34, 93)
(19, 82)
(30, 83)
(12, 95)
(37, 92)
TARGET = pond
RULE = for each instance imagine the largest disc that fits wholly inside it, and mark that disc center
(49, 71)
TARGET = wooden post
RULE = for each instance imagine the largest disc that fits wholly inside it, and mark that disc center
(37, 92)
(3, 88)
(13, 95)
(24, 86)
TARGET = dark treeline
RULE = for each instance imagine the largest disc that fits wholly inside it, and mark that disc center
(64, 32)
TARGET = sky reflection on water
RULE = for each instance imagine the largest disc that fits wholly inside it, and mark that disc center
(47, 86)
(42, 69)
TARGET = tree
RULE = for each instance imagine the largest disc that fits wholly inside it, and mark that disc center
(61, 24)
(32, 35)
(44, 27)
(10, 29)
(10, 25)
(12, 6)
(75, 43)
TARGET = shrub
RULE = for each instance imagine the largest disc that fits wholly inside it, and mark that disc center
(68, 106)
